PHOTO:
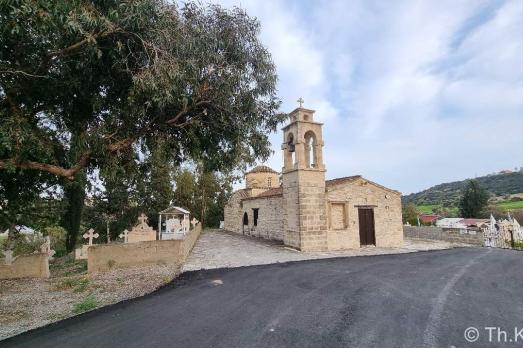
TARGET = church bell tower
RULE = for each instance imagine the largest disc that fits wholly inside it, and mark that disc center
(303, 182)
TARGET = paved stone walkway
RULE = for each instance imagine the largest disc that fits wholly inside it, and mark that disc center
(220, 249)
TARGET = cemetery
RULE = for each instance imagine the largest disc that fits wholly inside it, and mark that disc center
(39, 288)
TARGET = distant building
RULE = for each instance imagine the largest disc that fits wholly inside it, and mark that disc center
(474, 222)
(451, 223)
(429, 218)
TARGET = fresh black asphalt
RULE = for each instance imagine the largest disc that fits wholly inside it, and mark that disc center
(424, 299)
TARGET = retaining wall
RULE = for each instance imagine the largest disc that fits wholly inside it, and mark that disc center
(454, 235)
(26, 266)
(102, 258)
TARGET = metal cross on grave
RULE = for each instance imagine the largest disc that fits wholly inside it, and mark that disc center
(143, 219)
(91, 235)
(301, 101)
(124, 235)
(194, 222)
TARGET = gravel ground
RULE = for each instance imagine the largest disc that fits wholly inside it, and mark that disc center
(30, 303)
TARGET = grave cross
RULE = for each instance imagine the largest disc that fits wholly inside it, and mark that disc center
(124, 235)
(194, 222)
(301, 101)
(91, 235)
(143, 219)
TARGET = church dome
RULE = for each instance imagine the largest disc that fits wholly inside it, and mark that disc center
(262, 169)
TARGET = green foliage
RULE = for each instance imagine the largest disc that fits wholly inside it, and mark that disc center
(22, 244)
(449, 193)
(473, 200)
(410, 214)
(89, 303)
(510, 205)
(57, 235)
(126, 77)
(203, 193)
(129, 91)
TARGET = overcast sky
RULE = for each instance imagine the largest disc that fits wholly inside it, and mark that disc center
(412, 93)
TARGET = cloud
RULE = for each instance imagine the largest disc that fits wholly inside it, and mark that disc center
(412, 93)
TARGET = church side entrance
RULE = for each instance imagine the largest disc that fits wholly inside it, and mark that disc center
(366, 222)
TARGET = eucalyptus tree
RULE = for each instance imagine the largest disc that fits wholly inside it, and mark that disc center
(91, 84)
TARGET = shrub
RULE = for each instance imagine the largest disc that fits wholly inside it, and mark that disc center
(89, 303)
(25, 244)
(57, 235)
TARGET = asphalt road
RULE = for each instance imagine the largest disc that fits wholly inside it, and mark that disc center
(410, 300)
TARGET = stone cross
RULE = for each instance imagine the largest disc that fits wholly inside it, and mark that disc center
(91, 235)
(46, 247)
(124, 235)
(8, 257)
(194, 222)
(142, 218)
(301, 101)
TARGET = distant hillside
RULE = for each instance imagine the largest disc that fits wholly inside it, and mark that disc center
(448, 194)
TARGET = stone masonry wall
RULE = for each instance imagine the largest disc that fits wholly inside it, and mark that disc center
(261, 180)
(305, 225)
(270, 217)
(387, 214)
(105, 257)
(26, 266)
(455, 235)
(232, 214)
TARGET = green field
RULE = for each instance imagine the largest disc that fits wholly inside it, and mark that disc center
(510, 205)
(427, 208)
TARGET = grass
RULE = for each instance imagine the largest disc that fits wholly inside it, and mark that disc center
(427, 208)
(89, 303)
(76, 284)
(510, 205)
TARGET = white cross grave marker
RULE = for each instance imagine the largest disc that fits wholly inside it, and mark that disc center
(124, 235)
(143, 219)
(194, 222)
(91, 235)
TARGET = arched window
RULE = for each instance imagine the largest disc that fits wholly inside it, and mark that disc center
(311, 158)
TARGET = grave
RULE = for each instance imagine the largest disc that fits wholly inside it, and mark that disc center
(141, 232)
(173, 223)
(81, 253)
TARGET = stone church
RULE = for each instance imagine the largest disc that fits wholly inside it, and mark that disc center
(307, 212)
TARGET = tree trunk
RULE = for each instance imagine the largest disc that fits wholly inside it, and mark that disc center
(74, 195)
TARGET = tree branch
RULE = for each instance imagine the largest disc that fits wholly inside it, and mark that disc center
(50, 168)
(14, 72)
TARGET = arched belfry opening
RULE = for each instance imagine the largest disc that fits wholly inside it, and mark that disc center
(311, 156)
(290, 152)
